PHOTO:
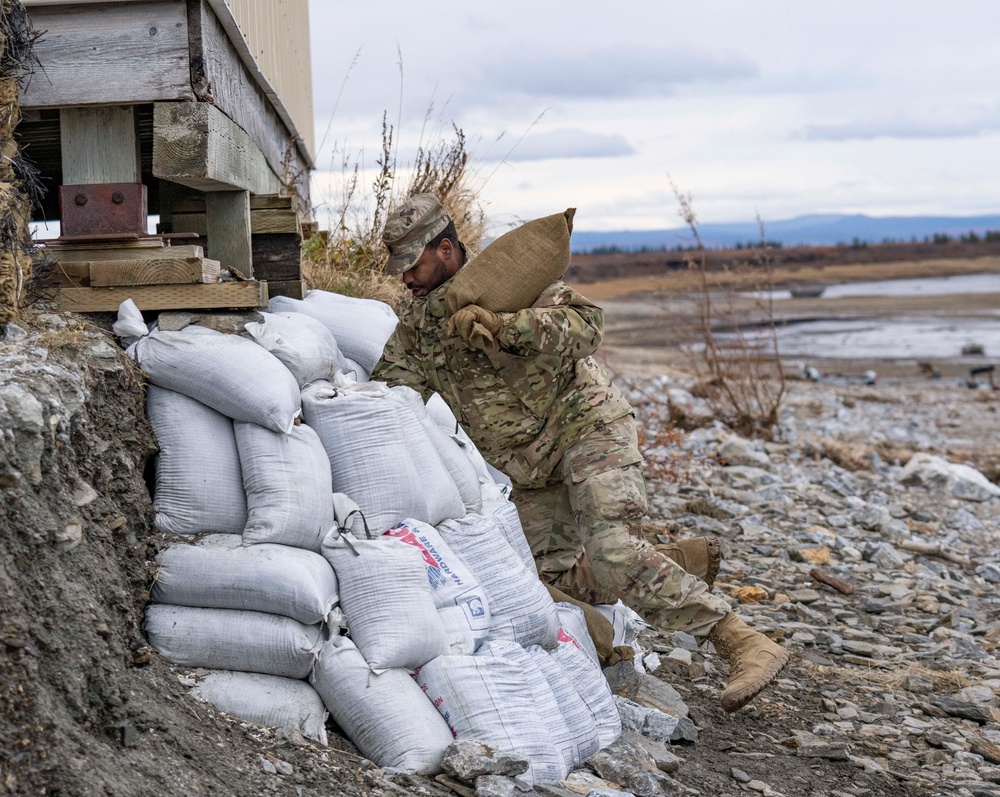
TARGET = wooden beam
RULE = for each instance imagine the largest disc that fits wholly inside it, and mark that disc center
(293, 289)
(84, 253)
(227, 227)
(115, 53)
(197, 145)
(99, 145)
(164, 297)
(167, 271)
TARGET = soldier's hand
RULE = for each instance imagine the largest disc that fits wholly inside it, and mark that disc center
(479, 327)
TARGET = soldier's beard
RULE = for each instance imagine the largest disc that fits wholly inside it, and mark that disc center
(432, 275)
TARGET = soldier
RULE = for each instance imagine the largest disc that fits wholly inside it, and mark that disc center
(540, 408)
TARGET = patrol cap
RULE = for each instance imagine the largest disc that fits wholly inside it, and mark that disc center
(409, 228)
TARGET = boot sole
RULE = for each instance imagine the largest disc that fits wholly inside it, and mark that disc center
(733, 703)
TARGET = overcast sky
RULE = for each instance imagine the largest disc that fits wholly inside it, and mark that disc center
(884, 107)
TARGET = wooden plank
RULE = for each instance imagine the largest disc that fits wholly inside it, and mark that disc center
(166, 271)
(198, 146)
(293, 289)
(99, 145)
(266, 221)
(164, 297)
(227, 227)
(218, 75)
(103, 252)
(277, 257)
(270, 202)
(73, 274)
(116, 53)
(189, 222)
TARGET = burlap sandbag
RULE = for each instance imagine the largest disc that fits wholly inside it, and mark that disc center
(512, 272)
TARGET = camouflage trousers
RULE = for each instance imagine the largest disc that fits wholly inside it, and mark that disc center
(580, 533)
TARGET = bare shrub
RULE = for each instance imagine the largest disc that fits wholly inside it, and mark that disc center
(732, 340)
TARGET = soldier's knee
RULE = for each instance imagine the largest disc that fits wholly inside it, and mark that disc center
(616, 494)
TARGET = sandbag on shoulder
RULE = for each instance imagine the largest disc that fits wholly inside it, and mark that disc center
(288, 486)
(370, 460)
(451, 460)
(360, 326)
(520, 607)
(460, 600)
(388, 603)
(511, 273)
(301, 342)
(268, 700)
(199, 484)
(487, 699)
(385, 714)
(226, 639)
(219, 572)
(228, 373)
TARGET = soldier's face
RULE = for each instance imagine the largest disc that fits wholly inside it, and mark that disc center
(430, 271)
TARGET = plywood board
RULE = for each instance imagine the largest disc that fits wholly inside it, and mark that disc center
(164, 297)
(165, 271)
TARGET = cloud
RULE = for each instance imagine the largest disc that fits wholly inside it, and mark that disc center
(898, 127)
(564, 143)
(612, 73)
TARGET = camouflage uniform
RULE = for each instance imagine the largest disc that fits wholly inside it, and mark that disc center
(542, 410)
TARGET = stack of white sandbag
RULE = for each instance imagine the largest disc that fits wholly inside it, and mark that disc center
(423, 558)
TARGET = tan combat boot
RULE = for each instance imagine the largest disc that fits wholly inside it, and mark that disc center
(700, 556)
(754, 660)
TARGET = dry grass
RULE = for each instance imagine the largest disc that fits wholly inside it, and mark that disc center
(351, 259)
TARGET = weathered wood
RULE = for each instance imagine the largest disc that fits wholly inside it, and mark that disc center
(99, 145)
(935, 549)
(166, 271)
(276, 257)
(831, 581)
(219, 76)
(72, 274)
(293, 289)
(164, 297)
(197, 145)
(269, 222)
(227, 227)
(103, 252)
(270, 202)
(118, 53)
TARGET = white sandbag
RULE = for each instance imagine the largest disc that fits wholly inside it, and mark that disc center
(268, 700)
(355, 371)
(520, 607)
(219, 572)
(454, 461)
(288, 486)
(497, 506)
(442, 415)
(199, 485)
(228, 373)
(591, 685)
(225, 639)
(386, 715)
(362, 432)
(582, 739)
(544, 698)
(302, 343)
(388, 603)
(360, 326)
(626, 622)
(573, 621)
(460, 600)
(487, 699)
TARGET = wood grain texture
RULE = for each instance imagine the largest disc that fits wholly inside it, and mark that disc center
(166, 271)
(293, 289)
(227, 226)
(164, 297)
(99, 145)
(277, 257)
(119, 53)
(198, 146)
(103, 252)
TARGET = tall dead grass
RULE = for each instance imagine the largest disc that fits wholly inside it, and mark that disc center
(732, 340)
(351, 258)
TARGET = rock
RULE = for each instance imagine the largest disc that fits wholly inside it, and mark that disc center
(626, 763)
(268, 766)
(283, 767)
(963, 520)
(737, 450)
(623, 679)
(654, 693)
(84, 494)
(739, 775)
(662, 756)
(468, 760)
(962, 481)
(69, 537)
(687, 411)
(495, 786)
(980, 695)
(749, 594)
(804, 595)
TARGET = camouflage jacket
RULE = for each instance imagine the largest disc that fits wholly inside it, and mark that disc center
(525, 402)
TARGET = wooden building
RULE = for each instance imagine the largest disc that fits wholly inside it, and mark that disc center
(199, 111)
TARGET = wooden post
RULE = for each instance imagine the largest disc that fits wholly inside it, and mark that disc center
(227, 225)
(99, 145)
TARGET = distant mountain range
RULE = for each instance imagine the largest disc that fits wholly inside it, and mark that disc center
(814, 230)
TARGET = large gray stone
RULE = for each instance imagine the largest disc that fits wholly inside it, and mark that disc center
(468, 760)
(628, 764)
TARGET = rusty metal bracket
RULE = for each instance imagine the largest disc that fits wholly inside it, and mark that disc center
(102, 210)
